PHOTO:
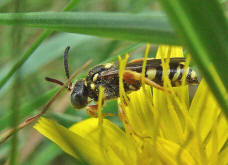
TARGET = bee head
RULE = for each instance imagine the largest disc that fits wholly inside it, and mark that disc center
(79, 95)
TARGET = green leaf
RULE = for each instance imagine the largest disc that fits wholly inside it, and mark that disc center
(48, 51)
(27, 109)
(47, 154)
(4, 2)
(135, 27)
(204, 31)
(33, 47)
(122, 52)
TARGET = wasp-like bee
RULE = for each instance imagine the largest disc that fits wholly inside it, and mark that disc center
(107, 76)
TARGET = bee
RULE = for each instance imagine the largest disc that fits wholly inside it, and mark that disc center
(107, 76)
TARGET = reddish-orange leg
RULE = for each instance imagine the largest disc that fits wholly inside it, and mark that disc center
(132, 77)
(93, 109)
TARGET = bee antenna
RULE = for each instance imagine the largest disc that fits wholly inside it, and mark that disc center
(66, 66)
(56, 82)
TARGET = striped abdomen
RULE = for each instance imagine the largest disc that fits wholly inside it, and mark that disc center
(175, 74)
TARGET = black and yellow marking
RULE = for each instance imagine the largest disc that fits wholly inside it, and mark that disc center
(108, 65)
(107, 76)
(92, 86)
(95, 77)
(175, 74)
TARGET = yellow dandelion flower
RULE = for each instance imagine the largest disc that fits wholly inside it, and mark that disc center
(161, 127)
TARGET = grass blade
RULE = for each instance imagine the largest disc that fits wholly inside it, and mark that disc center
(33, 47)
(205, 33)
(27, 109)
(135, 27)
(49, 152)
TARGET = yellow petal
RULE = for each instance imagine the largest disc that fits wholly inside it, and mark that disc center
(172, 108)
(164, 152)
(89, 142)
(207, 115)
(172, 152)
(111, 140)
(223, 160)
(140, 112)
(70, 142)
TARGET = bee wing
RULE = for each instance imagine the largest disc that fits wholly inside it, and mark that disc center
(109, 73)
(153, 62)
(136, 65)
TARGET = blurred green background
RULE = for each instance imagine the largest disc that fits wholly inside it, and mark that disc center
(27, 91)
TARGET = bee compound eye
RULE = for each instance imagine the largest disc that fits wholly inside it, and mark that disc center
(79, 95)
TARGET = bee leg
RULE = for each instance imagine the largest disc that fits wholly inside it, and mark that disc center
(124, 118)
(132, 77)
(93, 109)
